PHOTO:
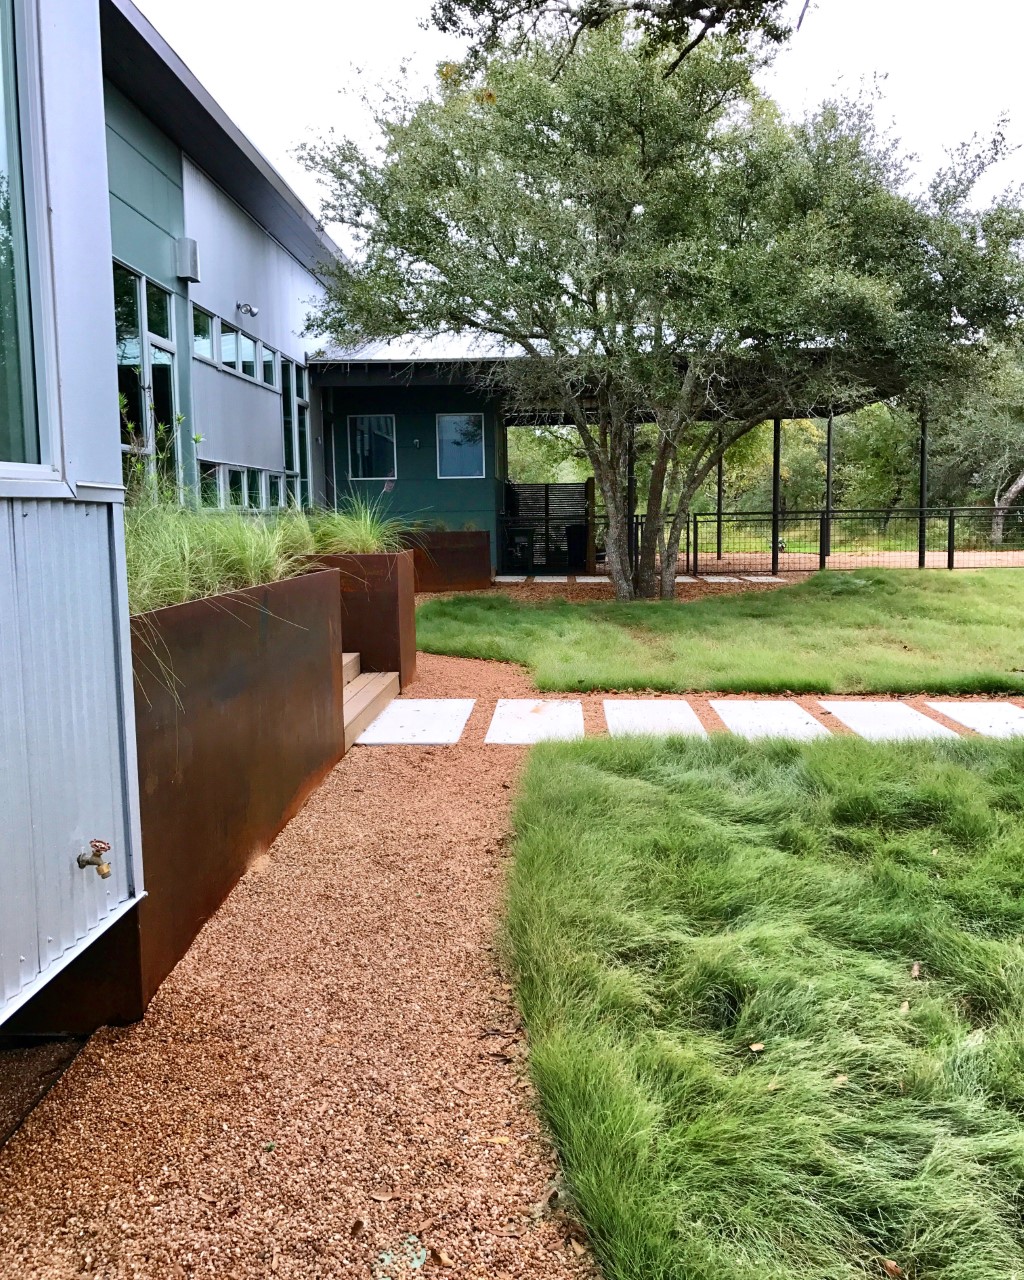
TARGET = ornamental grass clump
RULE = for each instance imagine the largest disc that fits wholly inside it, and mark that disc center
(177, 553)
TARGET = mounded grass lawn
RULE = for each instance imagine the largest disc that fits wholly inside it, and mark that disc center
(673, 904)
(867, 631)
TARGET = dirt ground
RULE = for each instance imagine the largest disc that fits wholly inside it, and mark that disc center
(331, 1083)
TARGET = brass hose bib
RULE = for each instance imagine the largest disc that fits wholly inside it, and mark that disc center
(95, 858)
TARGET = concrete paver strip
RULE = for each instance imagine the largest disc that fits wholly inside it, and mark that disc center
(650, 715)
(880, 720)
(509, 578)
(768, 718)
(717, 577)
(994, 719)
(428, 721)
(523, 721)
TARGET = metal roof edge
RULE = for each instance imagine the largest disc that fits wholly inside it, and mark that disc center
(144, 67)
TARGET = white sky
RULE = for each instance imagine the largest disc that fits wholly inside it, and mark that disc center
(290, 78)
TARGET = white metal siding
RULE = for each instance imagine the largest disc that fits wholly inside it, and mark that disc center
(64, 774)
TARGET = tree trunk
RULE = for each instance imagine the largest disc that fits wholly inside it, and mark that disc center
(1004, 501)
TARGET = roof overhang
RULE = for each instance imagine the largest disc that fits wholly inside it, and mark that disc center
(143, 66)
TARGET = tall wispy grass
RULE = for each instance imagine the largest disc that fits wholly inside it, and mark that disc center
(177, 553)
(775, 999)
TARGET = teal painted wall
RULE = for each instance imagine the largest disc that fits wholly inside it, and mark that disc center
(418, 492)
(147, 215)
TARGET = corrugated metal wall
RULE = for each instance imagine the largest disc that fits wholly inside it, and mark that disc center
(62, 770)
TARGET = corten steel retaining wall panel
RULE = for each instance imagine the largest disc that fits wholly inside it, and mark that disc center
(239, 716)
(452, 560)
(378, 610)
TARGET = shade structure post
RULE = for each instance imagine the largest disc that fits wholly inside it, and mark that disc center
(922, 491)
(827, 530)
(776, 490)
(719, 495)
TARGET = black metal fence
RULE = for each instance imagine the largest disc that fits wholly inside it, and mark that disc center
(763, 542)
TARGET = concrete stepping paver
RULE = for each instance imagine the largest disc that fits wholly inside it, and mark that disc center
(994, 719)
(718, 577)
(505, 577)
(527, 720)
(420, 721)
(754, 718)
(651, 715)
(762, 577)
(593, 582)
(880, 721)
(684, 577)
(539, 577)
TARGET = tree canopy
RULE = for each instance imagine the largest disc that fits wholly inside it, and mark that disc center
(664, 250)
(680, 25)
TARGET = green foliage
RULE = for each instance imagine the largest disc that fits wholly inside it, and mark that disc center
(673, 904)
(878, 631)
(680, 25)
(177, 553)
(663, 249)
(546, 456)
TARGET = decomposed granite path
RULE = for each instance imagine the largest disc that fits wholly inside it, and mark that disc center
(331, 1083)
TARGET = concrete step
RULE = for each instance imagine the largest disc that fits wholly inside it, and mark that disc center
(365, 698)
(350, 666)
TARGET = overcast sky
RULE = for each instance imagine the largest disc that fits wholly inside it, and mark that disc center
(286, 79)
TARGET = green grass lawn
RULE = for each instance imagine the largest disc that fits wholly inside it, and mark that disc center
(863, 631)
(673, 904)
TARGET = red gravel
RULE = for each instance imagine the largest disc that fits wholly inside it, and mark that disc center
(332, 1074)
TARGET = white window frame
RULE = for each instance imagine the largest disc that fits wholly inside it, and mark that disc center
(483, 442)
(47, 477)
(147, 341)
(214, 334)
(394, 444)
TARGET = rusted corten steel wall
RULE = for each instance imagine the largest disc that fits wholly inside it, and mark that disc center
(456, 560)
(378, 610)
(239, 716)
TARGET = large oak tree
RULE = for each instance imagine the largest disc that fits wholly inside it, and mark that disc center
(666, 250)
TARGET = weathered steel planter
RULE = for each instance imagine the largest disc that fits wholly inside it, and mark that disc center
(452, 560)
(378, 609)
(239, 715)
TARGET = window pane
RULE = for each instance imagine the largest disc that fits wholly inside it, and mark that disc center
(19, 432)
(275, 491)
(129, 358)
(286, 414)
(460, 445)
(158, 310)
(293, 491)
(269, 368)
(371, 439)
(162, 363)
(300, 382)
(236, 487)
(209, 489)
(255, 488)
(228, 345)
(202, 333)
(304, 453)
(247, 350)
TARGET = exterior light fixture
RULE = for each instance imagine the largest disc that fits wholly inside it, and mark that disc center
(247, 309)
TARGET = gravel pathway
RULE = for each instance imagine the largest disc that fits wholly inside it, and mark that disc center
(331, 1081)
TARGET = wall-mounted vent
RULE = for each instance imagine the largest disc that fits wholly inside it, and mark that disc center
(187, 259)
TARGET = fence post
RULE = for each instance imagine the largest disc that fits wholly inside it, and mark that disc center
(696, 539)
(951, 539)
(687, 570)
(922, 490)
(720, 495)
(823, 542)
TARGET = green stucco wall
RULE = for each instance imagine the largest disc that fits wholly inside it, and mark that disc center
(147, 215)
(418, 493)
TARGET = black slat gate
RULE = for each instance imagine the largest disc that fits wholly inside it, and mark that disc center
(544, 528)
